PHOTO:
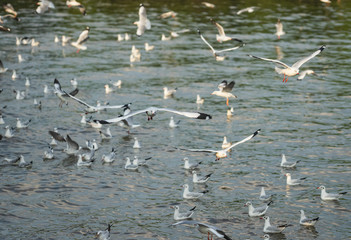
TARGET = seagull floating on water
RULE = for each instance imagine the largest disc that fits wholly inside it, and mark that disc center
(294, 69)
(286, 164)
(22, 163)
(330, 196)
(190, 166)
(207, 4)
(268, 228)
(173, 124)
(149, 47)
(264, 196)
(199, 100)
(167, 93)
(258, 211)
(303, 74)
(81, 163)
(168, 14)
(136, 144)
(109, 158)
(49, 154)
(307, 221)
(14, 75)
(192, 195)
(200, 179)
(182, 215)
(293, 182)
(2, 69)
(130, 166)
(225, 143)
(143, 23)
(20, 124)
(104, 235)
(106, 135)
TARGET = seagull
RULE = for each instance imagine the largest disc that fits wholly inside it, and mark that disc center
(184, 215)
(72, 146)
(206, 229)
(303, 74)
(190, 166)
(53, 142)
(136, 144)
(168, 14)
(164, 38)
(63, 95)
(49, 154)
(9, 132)
(128, 122)
(46, 89)
(20, 95)
(249, 10)
(27, 83)
(92, 109)
(192, 195)
(152, 111)
(173, 124)
(223, 152)
(127, 37)
(57, 136)
(81, 163)
(168, 92)
(95, 123)
(199, 100)
(56, 39)
(215, 52)
(129, 165)
(108, 89)
(294, 69)
(330, 196)
(83, 37)
(138, 162)
(225, 90)
(20, 124)
(43, 6)
(225, 143)
(37, 104)
(258, 211)
(23, 163)
(12, 160)
(74, 82)
(143, 22)
(1, 119)
(84, 119)
(104, 235)
(109, 158)
(14, 75)
(207, 4)
(293, 182)
(268, 228)
(74, 3)
(91, 144)
(307, 221)
(34, 43)
(286, 164)
(200, 179)
(65, 40)
(2, 69)
(106, 135)
(264, 196)
(149, 47)
(89, 156)
(266, 237)
(4, 29)
(120, 38)
(20, 58)
(279, 27)
(117, 84)
(222, 37)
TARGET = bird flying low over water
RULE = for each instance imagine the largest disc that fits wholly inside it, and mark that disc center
(143, 22)
(222, 37)
(223, 152)
(151, 112)
(83, 37)
(61, 94)
(224, 90)
(294, 69)
(43, 6)
(74, 3)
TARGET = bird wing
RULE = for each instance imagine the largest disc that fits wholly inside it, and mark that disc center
(299, 63)
(199, 150)
(229, 87)
(244, 140)
(83, 37)
(57, 136)
(270, 60)
(203, 39)
(184, 222)
(80, 101)
(229, 49)
(57, 86)
(74, 92)
(197, 115)
(72, 144)
(109, 107)
(121, 118)
(1, 65)
(219, 27)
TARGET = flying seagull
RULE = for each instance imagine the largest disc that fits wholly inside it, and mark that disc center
(61, 94)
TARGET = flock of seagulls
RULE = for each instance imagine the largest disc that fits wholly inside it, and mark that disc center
(86, 155)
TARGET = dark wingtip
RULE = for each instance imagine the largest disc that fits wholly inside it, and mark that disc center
(101, 121)
(343, 193)
(255, 133)
(270, 203)
(198, 31)
(204, 116)
(322, 47)
(192, 209)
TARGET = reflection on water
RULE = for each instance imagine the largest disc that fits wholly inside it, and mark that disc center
(306, 120)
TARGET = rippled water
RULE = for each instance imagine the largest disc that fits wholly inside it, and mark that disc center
(307, 120)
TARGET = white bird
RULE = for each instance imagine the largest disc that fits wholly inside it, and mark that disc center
(143, 22)
(149, 47)
(89, 156)
(168, 14)
(46, 89)
(230, 112)
(136, 143)
(49, 154)
(104, 235)
(12, 160)
(20, 124)
(294, 69)
(65, 40)
(225, 143)
(200, 179)
(178, 216)
(330, 196)
(225, 90)
(27, 83)
(1, 119)
(279, 27)
(81, 163)
(43, 6)
(106, 135)
(74, 3)
(109, 158)
(128, 122)
(293, 182)
(72, 146)
(222, 37)
(266, 237)
(164, 38)
(83, 37)
(249, 10)
(268, 228)
(167, 93)
(172, 123)
(206, 229)
(135, 54)
(138, 162)
(74, 82)
(14, 75)
(285, 164)
(56, 39)
(83, 119)
(117, 84)
(215, 52)
(264, 196)
(2, 69)
(207, 4)
(91, 144)
(20, 95)
(307, 221)
(53, 142)
(120, 38)
(190, 166)
(130, 166)
(22, 163)
(152, 111)
(258, 211)
(63, 95)
(192, 195)
(223, 152)
(20, 58)
(199, 100)
(127, 37)
(303, 74)
(325, 1)
(34, 43)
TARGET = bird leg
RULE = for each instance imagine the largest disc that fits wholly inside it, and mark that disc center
(227, 101)
(78, 50)
(208, 236)
(284, 78)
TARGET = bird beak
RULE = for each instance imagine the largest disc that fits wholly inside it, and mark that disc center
(317, 187)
